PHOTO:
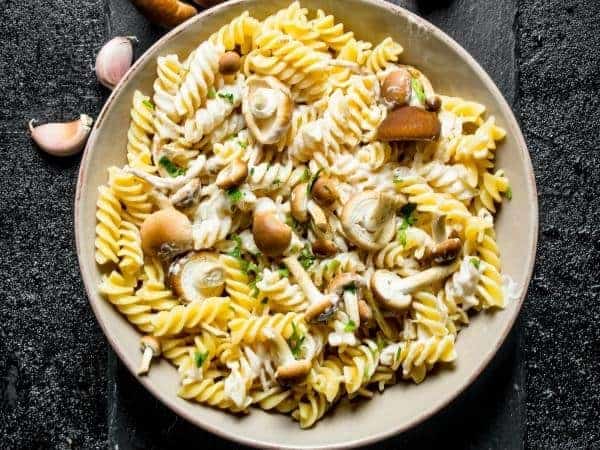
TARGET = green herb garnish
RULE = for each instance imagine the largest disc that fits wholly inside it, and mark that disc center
(312, 180)
(251, 171)
(295, 341)
(227, 96)
(417, 88)
(283, 272)
(476, 262)
(508, 193)
(333, 265)
(380, 343)
(211, 93)
(243, 144)
(408, 219)
(350, 287)
(305, 176)
(237, 250)
(276, 181)
(234, 194)
(200, 357)
(350, 326)
(306, 257)
(148, 104)
(172, 169)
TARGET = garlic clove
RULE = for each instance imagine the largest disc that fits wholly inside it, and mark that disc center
(113, 60)
(62, 139)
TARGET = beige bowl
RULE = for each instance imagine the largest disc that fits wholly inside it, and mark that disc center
(453, 72)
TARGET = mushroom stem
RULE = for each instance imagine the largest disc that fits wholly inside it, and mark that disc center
(289, 367)
(150, 347)
(171, 184)
(431, 275)
(351, 304)
(145, 363)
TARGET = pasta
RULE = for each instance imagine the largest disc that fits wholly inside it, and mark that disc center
(262, 209)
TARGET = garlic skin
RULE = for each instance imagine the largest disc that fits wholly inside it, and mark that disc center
(62, 139)
(113, 60)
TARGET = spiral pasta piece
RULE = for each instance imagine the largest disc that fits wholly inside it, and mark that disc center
(237, 34)
(108, 218)
(280, 293)
(119, 290)
(130, 248)
(140, 132)
(250, 330)
(384, 54)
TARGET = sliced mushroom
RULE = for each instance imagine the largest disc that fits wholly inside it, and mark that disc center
(394, 292)
(166, 233)
(271, 235)
(232, 175)
(347, 286)
(289, 368)
(409, 123)
(319, 303)
(319, 219)
(364, 311)
(267, 107)
(324, 191)
(150, 347)
(196, 276)
(446, 251)
(396, 87)
(369, 219)
(188, 195)
(299, 202)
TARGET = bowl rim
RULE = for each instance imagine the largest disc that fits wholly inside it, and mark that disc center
(167, 399)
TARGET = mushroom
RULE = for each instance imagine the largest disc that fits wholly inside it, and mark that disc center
(324, 191)
(364, 311)
(232, 175)
(299, 202)
(193, 171)
(319, 303)
(229, 63)
(166, 13)
(196, 276)
(396, 87)
(446, 248)
(150, 347)
(409, 123)
(369, 219)
(271, 235)
(188, 195)
(324, 247)
(166, 233)
(394, 292)
(267, 107)
(289, 367)
(347, 286)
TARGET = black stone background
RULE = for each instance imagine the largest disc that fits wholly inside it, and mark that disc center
(62, 387)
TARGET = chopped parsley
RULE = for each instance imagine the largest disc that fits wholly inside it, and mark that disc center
(243, 144)
(227, 96)
(408, 219)
(350, 287)
(276, 181)
(350, 326)
(251, 171)
(417, 88)
(333, 265)
(476, 262)
(172, 169)
(283, 272)
(200, 357)
(306, 257)
(508, 193)
(397, 179)
(148, 103)
(398, 353)
(234, 194)
(252, 284)
(237, 250)
(211, 93)
(296, 340)
(312, 180)
(305, 176)
(380, 343)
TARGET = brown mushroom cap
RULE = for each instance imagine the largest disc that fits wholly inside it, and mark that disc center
(396, 87)
(166, 233)
(409, 123)
(324, 192)
(293, 369)
(232, 175)
(271, 235)
(337, 285)
(229, 63)
(446, 251)
(317, 308)
(196, 276)
(299, 202)
(324, 247)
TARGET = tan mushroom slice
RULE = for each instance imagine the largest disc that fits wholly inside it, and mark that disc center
(232, 175)
(409, 123)
(267, 107)
(393, 292)
(150, 347)
(188, 195)
(348, 286)
(299, 202)
(196, 276)
(289, 368)
(369, 219)
(271, 235)
(166, 233)
(319, 304)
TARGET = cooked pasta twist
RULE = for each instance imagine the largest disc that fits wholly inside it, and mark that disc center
(108, 218)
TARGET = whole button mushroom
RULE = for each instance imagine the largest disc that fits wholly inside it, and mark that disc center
(271, 235)
(166, 233)
(196, 276)
(396, 87)
(229, 63)
(324, 191)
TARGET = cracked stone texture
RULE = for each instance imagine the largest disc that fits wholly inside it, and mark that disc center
(60, 385)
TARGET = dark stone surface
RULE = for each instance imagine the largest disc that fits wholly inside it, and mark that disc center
(60, 385)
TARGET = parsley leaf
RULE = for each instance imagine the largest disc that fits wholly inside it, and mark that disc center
(200, 357)
(350, 326)
(333, 265)
(172, 169)
(401, 236)
(508, 193)
(211, 93)
(312, 180)
(234, 194)
(397, 179)
(251, 171)
(305, 176)
(408, 219)
(380, 343)
(243, 144)
(283, 272)
(476, 262)
(306, 257)
(227, 96)
(237, 250)
(296, 340)
(351, 287)
(148, 103)
(418, 90)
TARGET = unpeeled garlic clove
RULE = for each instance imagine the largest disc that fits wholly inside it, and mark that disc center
(113, 60)
(62, 139)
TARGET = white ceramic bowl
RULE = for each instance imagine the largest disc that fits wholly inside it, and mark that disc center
(453, 72)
